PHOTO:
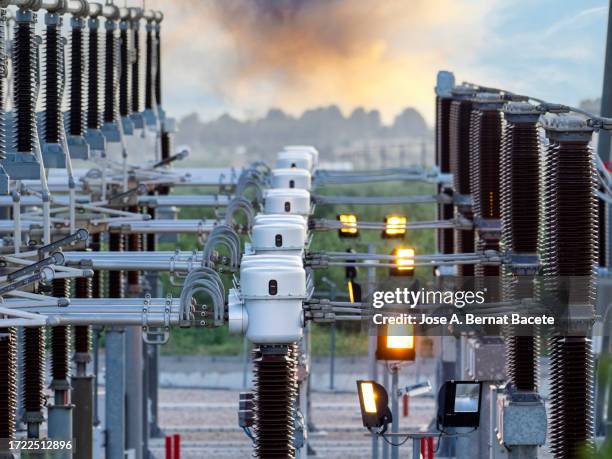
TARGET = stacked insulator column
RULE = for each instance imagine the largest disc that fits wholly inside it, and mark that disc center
(60, 348)
(82, 383)
(96, 280)
(603, 209)
(520, 212)
(52, 78)
(82, 333)
(24, 81)
(150, 64)
(8, 385)
(445, 211)
(459, 146)
(2, 83)
(33, 377)
(8, 336)
(125, 62)
(568, 249)
(485, 141)
(24, 86)
(116, 279)
(158, 94)
(111, 59)
(167, 146)
(94, 102)
(136, 14)
(134, 243)
(77, 78)
(275, 384)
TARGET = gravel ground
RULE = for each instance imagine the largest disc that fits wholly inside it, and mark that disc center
(207, 422)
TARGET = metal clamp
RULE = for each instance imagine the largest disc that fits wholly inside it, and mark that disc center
(156, 335)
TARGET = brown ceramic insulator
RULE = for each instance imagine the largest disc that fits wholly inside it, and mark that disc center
(125, 74)
(445, 237)
(8, 382)
(571, 392)
(167, 145)
(568, 248)
(96, 280)
(94, 100)
(485, 141)
(116, 279)
(149, 69)
(60, 336)
(24, 86)
(275, 392)
(82, 333)
(33, 369)
(443, 106)
(151, 241)
(520, 187)
(111, 57)
(60, 353)
(78, 80)
(459, 144)
(521, 362)
(569, 223)
(134, 244)
(603, 239)
(520, 184)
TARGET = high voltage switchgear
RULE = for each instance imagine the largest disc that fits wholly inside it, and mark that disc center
(517, 190)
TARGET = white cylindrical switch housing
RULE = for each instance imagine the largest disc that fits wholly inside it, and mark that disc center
(250, 261)
(287, 201)
(273, 291)
(262, 219)
(291, 178)
(294, 159)
(275, 237)
(312, 151)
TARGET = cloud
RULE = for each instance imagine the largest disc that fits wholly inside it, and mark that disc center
(245, 56)
(298, 53)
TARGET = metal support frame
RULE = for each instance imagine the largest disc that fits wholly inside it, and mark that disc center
(115, 389)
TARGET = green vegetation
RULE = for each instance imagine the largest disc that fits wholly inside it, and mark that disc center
(349, 339)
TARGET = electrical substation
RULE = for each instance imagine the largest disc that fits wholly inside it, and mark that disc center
(90, 188)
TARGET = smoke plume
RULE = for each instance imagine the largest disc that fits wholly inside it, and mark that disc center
(254, 54)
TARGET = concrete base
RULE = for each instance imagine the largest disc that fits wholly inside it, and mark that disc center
(60, 428)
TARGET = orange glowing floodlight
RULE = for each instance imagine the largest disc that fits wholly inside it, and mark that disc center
(349, 225)
(396, 342)
(404, 261)
(395, 226)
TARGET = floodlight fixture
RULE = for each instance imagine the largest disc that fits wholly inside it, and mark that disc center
(374, 404)
(349, 226)
(459, 404)
(395, 226)
(404, 261)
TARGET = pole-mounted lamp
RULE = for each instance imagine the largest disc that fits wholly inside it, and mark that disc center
(459, 404)
(395, 227)
(374, 404)
(396, 342)
(349, 226)
(404, 261)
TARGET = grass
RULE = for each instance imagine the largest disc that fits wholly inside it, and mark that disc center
(349, 338)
